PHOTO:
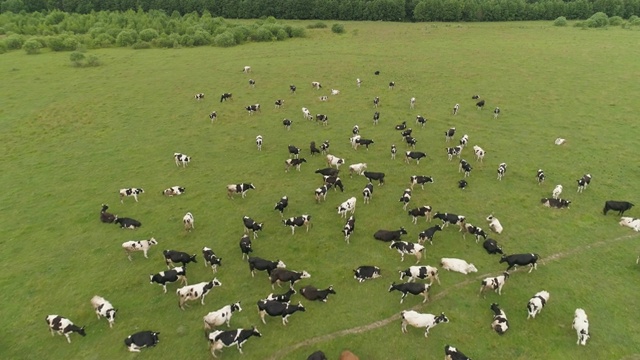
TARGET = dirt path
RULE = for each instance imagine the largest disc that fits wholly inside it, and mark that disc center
(440, 295)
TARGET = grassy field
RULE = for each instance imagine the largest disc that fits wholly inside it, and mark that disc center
(72, 137)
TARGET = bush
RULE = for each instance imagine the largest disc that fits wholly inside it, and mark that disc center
(225, 39)
(337, 28)
(634, 20)
(104, 40)
(297, 31)
(127, 38)
(262, 34)
(93, 60)
(318, 25)
(70, 43)
(282, 35)
(3, 47)
(148, 35)
(615, 21)
(163, 42)
(32, 46)
(560, 21)
(14, 42)
(598, 20)
(141, 45)
(77, 58)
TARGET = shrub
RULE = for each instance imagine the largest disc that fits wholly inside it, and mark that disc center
(337, 28)
(186, 40)
(560, 21)
(634, 20)
(70, 43)
(93, 60)
(2, 30)
(76, 58)
(201, 37)
(104, 40)
(262, 34)
(615, 21)
(318, 25)
(32, 46)
(225, 39)
(141, 45)
(14, 42)
(3, 47)
(282, 35)
(148, 35)
(163, 42)
(297, 31)
(127, 37)
(598, 20)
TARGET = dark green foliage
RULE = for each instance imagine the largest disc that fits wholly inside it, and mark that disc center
(560, 21)
(318, 25)
(32, 46)
(141, 45)
(337, 28)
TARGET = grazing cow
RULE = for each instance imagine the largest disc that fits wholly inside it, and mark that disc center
(293, 222)
(401, 126)
(581, 325)
(365, 142)
(174, 191)
(479, 152)
(142, 339)
(376, 117)
(453, 151)
(357, 168)
(321, 192)
(452, 219)
(221, 339)
(475, 97)
(199, 96)
(279, 275)
(170, 276)
(376, 102)
(251, 225)
(239, 189)
(428, 234)
(392, 85)
(306, 114)
(420, 180)
(127, 223)
(522, 260)
(421, 120)
(292, 88)
(464, 140)
(63, 326)
(334, 160)
(138, 245)
(181, 159)
(260, 264)
(451, 353)
(420, 272)
(172, 257)
(278, 103)
(347, 206)
(457, 265)
(448, 135)
(456, 107)
(324, 146)
(394, 151)
(536, 303)
(245, 246)
(416, 319)
(494, 224)
(406, 132)
(496, 112)
(404, 247)
(189, 222)
(411, 141)
(389, 235)
(226, 96)
(195, 292)
(422, 211)
(619, 206)
(334, 181)
(210, 259)
(560, 141)
(411, 288)
(502, 169)
(316, 85)
(324, 119)
(367, 193)
(287, 124)
(221, 316)
(319, 355)
(358, 82)
(259, 142)
(630, 222)
(106, 217)
(103, 308)
(492, 247)
(540, 176)
(480, 104)
(583, 182)
(277, 308)
(294, 152)
(493, 283)
(556, 203)
(462, 184)
(466, 167)
(247, 69)
(213, 116)
(405, 198)
(366, 272)
(313, 149)
(252, 108)
(415, 155)
(293, 162)
(130, 192)
(348, 228)
(500, 323)
(252, 83)
(374, 176)
(335, 92)
(312, 293)
(412, 103)
(283, 298)
(281, 205)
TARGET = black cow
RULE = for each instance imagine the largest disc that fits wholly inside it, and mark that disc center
(170, 276)
(492, 247)
(411, 141)
(452, 219)
(392, 85)
(556, 203)
(277, 308)
(366, 272)
(251, 225)
(428, 234)
(226, 96)
(292, 88)
(245, 246)
(312, 293)
(389, 235)
(420, 180)
(172, 256)
(462, 184)
(376, 102)
(619, 206)
(465, 166)
(106, 217)
(522, 260)
(540, 176)
(370, 175)
(480, 104)
(252, 83)
(260, 264)
(141, 339)
(322, 118)
(127, 223)
(406, 133)
(415, 155)
(411, 288)
(287, 124)
(328, 171)
(314, 150)
(294, 151)
(293, 162)
(418, 212)
(451, 353)
(421, 120)
(335, 182)
(281, 205)
(318, 355)
(220, 339)
(211, 259)
(279, 275)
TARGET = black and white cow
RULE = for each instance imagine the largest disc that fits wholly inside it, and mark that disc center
(376, 103)
(174, 191)
(188, 221)
(392, 85)
(492, 247)
(130, 192)
(355, 130)
(370, 175)
(287, 124)
(401, 126)
(251, 225)
(226, 96)
(213, 116)
(428, 234)
(181, 159)
(280, 275)
(294, 152)
(306, 114)
(404, 248)
(281, 205)
(365, 142)
(496, 112)
(260, 264)
(334, 160)
(477, 231)
(411, 141)
(414, 155)
(63, 326)
(283, 298)
(312, 293)
(416, 319)
(246, 69)
(493, 283)
(475, 97)
(480, 104)
(277, 308)
(170, 276)
(141, 340)
(521, 260)
(334, 181)
(465, 167)
(327, 171)
(619, 206)
(502, 169)
(366, 272)
(239, 189)
(536, 303)
(406, 133)
(199, 96)
(420, 180)
(348, 228)
(411, 288)
(298, 221)
(138, 245)
(453, 151)
(127, 223)
(367, 193)
(420, 272)
(448, 135)
(500, 323)
(583, 182)
(316, 85)
(412, 103)
(221, 339)
(252, 83)
(313, 149)
(252, 108)
(451, 353)
(394, 151)
(289, 163)
(456, 107)
(540, 176)
(347, 206)
(556, 203)
(376, 117)
(405, 198)
(210, 259)
(462, 184)
(221, 316)
(421, 120)
(453, 219)
(321, 192)
(358, 169)
(279, 103)
(104, 309)
(422, 211)
(464, 140)
(479, 152)
(173, 257)
(292, 88)
(389, 235)
(196, 291)
(259, 142)
(106, 217)
(324, 119)
(245, 246)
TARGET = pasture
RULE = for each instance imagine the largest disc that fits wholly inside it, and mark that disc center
(72, 137)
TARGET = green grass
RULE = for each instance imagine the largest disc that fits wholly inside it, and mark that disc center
(72, 137)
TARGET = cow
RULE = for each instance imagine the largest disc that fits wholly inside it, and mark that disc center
(500, 323)
(404, 247)
(213, 116)
(464, 140)
(370, 175)
(479, 152)
(630, 222)
(358, 83)
(319, 355)
(365, 142)
(334, 181)
(389, 235)
(63, 326)
(221, 339)
(493, 283)
(245, 246)
(420, 272)
(556, 203)
(480, 104)
(210, 259)
(421, 120)
(619, 206)
(348, 228)
(324, 146)
(358, 169)
(287, 124)
(412, 103)
(376, 116)
(422, 211)
(221, 316)
(456, 107)
(103, 308)
(348, 206)
(540, 176)
(316, 85)
(462, 184)
(355, 130)
(367, 193)
(406, 132)
(334, 160)
(324, 119)
(448, 135)
(394, 151)
(170, 276)
(306, 114)
(260, 264)
(188, 221)
(522, 260)
(281, 205)
(376, 103)
(239, 189)
(451, 353)
(247, 69)
(313, 149)
(127, 223)
(411, 288)
(226, 96)
(496, 112)
(138, 245)
(196, 291)
(259, 142)
(174, 191)
(321, 192)
(457, 265)
(452, 219)
(453, 151)
(466, 167)
(277, 308)
(199, 96)
(392, 85)
(560, 141)
(475, 97)
(279, 275)
(278, 103)
(252, 108)
(401, 126)
(348, 355)
(252, 83)
(130, 192)
(181, 159)
(283, 298)
(502, 169)
(581, 325)
(312, 293)
(583, 182)
(335, 92)
(251, 225)
(494, 224)
(536, 303)
(420, 180)
(142, 339)
(411, 141)
(293, 222)
(405, 198)
(492, 247)
(294, 152)
(173, 257)
(292, 88)
(414, 155)
(293, 163)
(416, 319)
(366, 272)
(428, 234)
(106, 217)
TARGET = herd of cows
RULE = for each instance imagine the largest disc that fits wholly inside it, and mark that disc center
(280, 304)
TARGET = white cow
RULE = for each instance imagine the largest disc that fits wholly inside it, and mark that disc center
(104, 308)
(221, 316)
(138, 245)
(581, 325)
(457, 265)
(335, 92)
(334, 160)
(494, 224)
(354, 141)
(247, 69)
(557, 191)
(306, 114)
(345, 207)
(189, 222)
(259, 142)
(536, 303)
(630, 222)
(358, 169)
(181, 159)
(412, 102)
(416, 319)
(560, 141)
(494, 283)
(195, 292)
(358, 82)
(316, 85)
(479, 152)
